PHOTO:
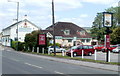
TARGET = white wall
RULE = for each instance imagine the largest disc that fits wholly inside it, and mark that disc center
(10, 33)
(25, 30)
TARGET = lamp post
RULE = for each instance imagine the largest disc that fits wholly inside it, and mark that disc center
(53, 23)
(17, 19)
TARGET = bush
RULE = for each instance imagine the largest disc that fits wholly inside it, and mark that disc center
(18, 45)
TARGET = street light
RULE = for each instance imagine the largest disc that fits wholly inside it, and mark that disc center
(17, 19)
(53, 23)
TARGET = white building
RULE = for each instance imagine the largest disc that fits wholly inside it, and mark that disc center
(10, 33)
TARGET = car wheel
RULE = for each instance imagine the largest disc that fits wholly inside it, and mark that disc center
(90, 54)
(74, 54)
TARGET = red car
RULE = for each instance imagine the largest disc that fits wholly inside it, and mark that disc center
(77, 50)
(104, 49)
(98, 47)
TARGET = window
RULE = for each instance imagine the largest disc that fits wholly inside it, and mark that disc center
(67, 32)
(69, 40)
(83, 40)
(85, 47)
(81, 32)
(90, 47)
(88, 40)
(80, 47)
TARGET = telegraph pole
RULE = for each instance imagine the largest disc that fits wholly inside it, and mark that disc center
(53, 23)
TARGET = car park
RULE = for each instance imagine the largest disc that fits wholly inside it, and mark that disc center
(58, 49)
(104, 49)
(98, 47)
(116, 50)
(77, 50)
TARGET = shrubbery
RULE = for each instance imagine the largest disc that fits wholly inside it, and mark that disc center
(19, 46)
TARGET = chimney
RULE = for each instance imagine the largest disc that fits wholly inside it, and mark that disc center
(14, 21)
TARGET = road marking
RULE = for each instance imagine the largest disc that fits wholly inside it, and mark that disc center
(58, 72)
(8, 50)
(33, 65)
(14, 59)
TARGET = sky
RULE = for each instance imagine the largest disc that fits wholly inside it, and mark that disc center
(79, 12)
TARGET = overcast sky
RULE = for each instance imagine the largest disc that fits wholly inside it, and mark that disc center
(80, 12)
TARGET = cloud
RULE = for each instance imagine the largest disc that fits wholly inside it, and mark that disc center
(83, 15)
(100, 1)
(60, 5)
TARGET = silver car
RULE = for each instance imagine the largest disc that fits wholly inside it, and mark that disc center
(58, 49)
(116, 50)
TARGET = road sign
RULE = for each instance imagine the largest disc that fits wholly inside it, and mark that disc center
(107, 41)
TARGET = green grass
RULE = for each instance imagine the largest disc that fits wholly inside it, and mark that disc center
(75, 58)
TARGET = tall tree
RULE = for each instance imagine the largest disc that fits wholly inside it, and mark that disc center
(115, 36)
(98, 30)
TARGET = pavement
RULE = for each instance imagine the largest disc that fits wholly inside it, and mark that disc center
(76, 62)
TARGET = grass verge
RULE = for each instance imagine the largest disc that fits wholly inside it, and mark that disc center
(75, 58)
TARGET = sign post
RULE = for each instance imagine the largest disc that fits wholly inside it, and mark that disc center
(42, 40)
(107, 22)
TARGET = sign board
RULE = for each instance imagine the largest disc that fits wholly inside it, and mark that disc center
(107, 19)
(42, 39)
(107, 41)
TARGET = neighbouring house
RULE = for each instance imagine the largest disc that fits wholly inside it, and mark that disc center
(10, 33)
(68, 34)
(0, 37)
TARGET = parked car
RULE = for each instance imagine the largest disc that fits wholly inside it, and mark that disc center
(116, 50)
(77, 50)
(98, 47)
(104, 49)
(58, 49)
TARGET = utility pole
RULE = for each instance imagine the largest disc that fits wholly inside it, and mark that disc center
(17, 39)
(53, 23)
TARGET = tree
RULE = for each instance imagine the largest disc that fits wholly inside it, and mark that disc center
(98, 31)
(115, 36)
(31, 39)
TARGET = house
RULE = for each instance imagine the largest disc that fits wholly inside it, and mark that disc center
(0, 37)
(10, 33)
(69, 34)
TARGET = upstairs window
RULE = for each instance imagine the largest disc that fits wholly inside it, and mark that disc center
(67, 32)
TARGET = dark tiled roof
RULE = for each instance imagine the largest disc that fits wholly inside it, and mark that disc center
(60, 27)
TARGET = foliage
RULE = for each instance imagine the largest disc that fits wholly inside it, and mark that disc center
(98, 31)
(115, 36)
(31, 39)
(18, 45)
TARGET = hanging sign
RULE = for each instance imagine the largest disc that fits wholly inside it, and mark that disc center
(107, 19)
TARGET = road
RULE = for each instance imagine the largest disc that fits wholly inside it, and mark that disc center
(19, 63)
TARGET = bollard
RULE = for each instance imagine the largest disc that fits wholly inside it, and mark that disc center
(82, 54)
(28, 48)
(48, 52)
(71, 54)
(63, 54)
(33, 49)
(95, 55)
(43, 50)
(109, 56)
(37, 49)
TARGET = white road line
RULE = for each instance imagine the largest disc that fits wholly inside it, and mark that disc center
(33, 65)
(8, 50)
(58, 72)
(14, 59)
